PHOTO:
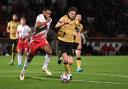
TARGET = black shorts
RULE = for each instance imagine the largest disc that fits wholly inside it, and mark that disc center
(14, 44)
(14, 41)
(65, 47)
(75, 45)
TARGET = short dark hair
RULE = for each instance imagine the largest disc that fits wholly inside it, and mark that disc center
(22, 18)
(72, 9)
(47, 8)
(78, 14)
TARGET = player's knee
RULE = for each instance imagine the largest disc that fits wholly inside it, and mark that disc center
(70, 62)
(19, 51)
(65, 60)
(49, 52)
(78, 54)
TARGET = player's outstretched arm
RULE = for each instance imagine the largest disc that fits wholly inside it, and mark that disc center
(42, 24)
(59, 24)
(8, 27)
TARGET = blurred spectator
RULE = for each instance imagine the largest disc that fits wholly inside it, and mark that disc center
(96, 49)
(117, 47)
(111, 50)
(89, 49)
(123, 49)
(106, 18)
(102, 18)
(104, 49)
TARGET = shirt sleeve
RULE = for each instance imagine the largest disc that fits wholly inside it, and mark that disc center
(62, 19)
(17, 31)
(18, 28)
(40, 18)
(29, 29)
(8, 26)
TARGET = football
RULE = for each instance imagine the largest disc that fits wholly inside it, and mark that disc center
(65, 78)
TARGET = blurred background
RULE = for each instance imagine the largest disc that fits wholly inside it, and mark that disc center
(105, 23)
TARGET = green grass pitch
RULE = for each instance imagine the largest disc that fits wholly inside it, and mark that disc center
(100, 72)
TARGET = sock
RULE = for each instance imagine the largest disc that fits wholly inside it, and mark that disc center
(68, 68)
(13, 52)
(27, 62)
(78, 62)
(25, 65)
(47, 60)
(19, 59)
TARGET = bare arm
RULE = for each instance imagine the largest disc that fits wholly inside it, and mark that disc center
(8, 28)
(59, 24)
(42, 24)
(63, 20)
(83, 37)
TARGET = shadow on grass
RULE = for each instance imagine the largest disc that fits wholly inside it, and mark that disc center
(41, 78)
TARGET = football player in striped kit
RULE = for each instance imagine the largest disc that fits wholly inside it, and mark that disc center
(23, 34)
(39, 41)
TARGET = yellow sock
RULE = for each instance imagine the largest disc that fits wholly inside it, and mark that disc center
(68, 68)
(78, 62)
(13, 55)
(13, 51)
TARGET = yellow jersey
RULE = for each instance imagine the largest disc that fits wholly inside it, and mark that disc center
(12, 28)
(79, 29)
(67, 31)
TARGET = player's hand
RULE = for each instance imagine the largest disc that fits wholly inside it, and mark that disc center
(49, 19)
(77, 18)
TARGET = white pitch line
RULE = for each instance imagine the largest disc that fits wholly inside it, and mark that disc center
(99, 74)
(124, 76)
(99, 82)
(104, 74)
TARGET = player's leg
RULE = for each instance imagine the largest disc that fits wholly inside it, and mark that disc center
(32, 50)
(13, 52)
(19, 52)
(60, 58)
(78, 60)
(48, 51)
(26, 64)
(19, 57)
(65, 58)
(66, 49)
(62, 48)
(70, 61)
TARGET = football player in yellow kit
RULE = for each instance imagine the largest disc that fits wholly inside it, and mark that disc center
(78, 43)
(67, 25)
(11, 29)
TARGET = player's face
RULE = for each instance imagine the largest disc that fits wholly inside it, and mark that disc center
(79, 17)
(72, 14)
(23, 21)
(47, 13)
(14, 17)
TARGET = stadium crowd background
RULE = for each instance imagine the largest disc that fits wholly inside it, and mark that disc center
(101, 18)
